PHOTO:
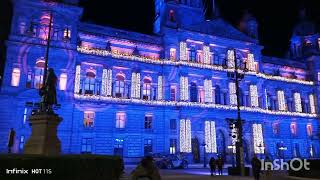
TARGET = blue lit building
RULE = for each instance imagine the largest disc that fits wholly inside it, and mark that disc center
(132, 94)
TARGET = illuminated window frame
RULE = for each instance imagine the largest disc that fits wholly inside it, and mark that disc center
(15, 77)
(63, 81)
(309, 129)
(88, 119)
(120, 120)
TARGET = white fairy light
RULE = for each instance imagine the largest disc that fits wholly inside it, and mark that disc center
(254, 96)
(234, 139)
(208, 96)
(206, 54)
(135, 85)
(104, 82)
(101, 52)
(297, 102)
(258, 138)
(183, 51)
(312, 104)
(160, 87)
(232, 93)
(77, 80)
(185, 135)
(251, 63)
(184, 88)
(210, 137)
(109, 83)
(230, 58)
(281, 100)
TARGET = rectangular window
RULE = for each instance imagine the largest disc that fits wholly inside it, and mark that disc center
(281, 101)
(63, 81)
(172, 54)
(185, 135)
(147, 147)
(120, 120)
(201, 96)
(309, 129)
(293, 129)
(173, 146)
(148, 121)
(15, 79)
(173, 124)
(232, 93)
(258, 138)
(86, 146)
(210, 137)
(88, 119)
(276, 128)
(118, 147)
(172, 93)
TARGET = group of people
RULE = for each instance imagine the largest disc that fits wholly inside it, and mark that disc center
(213, 163)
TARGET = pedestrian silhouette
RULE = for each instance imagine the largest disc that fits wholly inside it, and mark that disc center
(212, 164)
(220, 165)
(256, 167)
(12, 135)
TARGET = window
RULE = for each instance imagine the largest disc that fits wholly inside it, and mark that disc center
(192, 54)
(146, 89)
(172, 54)
(210, 137)
(118, 147)
(148, 121)
(309, 129)
(199, 57)
(173, 124)
(217, 97)
(119, 86)
(29, 80)
(232, 93)
(193, 92)
(39, 70)
(67, 33)
(22, 28)
(21, 143)
(15, 77)
(147, 147)
(276, 128)
(185, 135)
(173, 146)
(89, 83)
(88, 120)
(293, 129)
(297, 102)
(86, 146)
(281, 100)
(120, 120)
(171, 15)
(201, 96)
(63, 81)
(172, 93)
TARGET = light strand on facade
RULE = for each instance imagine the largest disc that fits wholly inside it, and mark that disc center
(206, 54)
(230, 59)
(312, 104)
(109, 83)
(232, 93)
(210, 137)
(254, 96)
(77, 79)
(183, 51)
(208, 96)
(184, 88)
(135, 85)
(185, 135)
(104, 82)
(281, 100)
(160, 87)
(101, 52)
(258, 138)
(250, 62)
(297, 102)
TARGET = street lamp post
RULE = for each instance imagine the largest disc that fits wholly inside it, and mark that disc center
(204, 155)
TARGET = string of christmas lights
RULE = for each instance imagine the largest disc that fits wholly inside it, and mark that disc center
(230, 58)
(160, 87)
(101, 52)
(281, 100)
(232, 93)
(185, 135)
(183, 51)
(250, 62)
(208, 96)
(104, 82)
(206, 54)
(258, 139)
(312, 104)
(184, 88)
(135, 86)
(254, 96)
(297, 102)
(210, 137)
(77, 79)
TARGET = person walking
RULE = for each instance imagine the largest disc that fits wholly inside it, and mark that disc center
(220, 165)
(146, 170)
(268, 170)
(12, 136)
(256, 167)
(212, 164)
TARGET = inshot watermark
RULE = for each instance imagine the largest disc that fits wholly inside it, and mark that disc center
(296, 164)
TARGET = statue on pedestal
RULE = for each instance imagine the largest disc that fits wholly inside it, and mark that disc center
(48, 92)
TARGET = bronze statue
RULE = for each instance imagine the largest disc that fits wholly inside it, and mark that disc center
(48, 92)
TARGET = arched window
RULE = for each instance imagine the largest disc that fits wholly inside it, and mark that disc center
(146, 88)
(171, 16)
(15, 79)
(193, 92)
(119, 85)
(39, 70)
(29, 80)
(192, 54)
(63, 81)
(309, 129)
(89, 82)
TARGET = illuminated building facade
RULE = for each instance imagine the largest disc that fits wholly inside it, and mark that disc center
(132, 94)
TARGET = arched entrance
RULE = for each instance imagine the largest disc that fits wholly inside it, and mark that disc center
(195, 149)
(221, 143)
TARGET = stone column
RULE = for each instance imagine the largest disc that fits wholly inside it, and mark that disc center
(43, 139)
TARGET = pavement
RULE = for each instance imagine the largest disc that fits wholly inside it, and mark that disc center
(197, 172)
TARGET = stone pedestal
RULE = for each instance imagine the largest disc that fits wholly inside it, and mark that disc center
(44, 139)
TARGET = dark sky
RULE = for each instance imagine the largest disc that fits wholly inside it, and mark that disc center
(276, 18)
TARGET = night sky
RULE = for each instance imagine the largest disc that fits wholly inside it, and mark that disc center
(276, 18)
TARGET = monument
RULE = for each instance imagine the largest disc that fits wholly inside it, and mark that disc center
(44, 123)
